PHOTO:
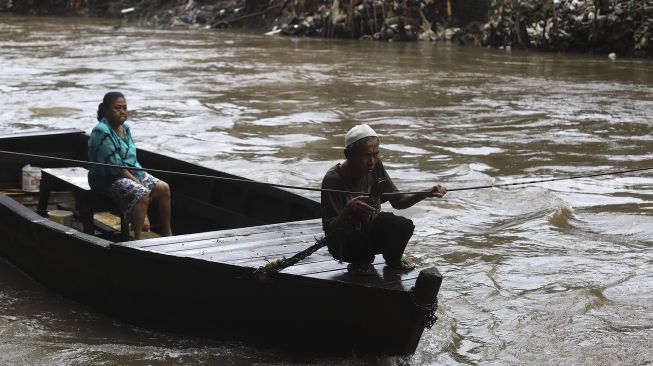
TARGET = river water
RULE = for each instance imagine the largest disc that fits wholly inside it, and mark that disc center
(553, 273)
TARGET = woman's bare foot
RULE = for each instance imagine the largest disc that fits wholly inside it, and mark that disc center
(146, 224)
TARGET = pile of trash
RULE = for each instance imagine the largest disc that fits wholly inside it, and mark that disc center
(397, 20)
(622, 27)
(208, 14)
(381, 20)
(389, 20)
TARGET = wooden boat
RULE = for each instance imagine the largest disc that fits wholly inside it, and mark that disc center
(201, 281)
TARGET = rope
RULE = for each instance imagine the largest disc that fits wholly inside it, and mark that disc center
(390, 194)
(277, 265)
(614, 172)
(183, 174)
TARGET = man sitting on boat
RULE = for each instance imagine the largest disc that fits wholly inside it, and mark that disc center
(111, 143)
(355, 228)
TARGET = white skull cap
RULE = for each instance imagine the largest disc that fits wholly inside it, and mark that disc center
(358, 132)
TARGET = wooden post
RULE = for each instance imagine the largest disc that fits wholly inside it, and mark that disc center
(425, 291)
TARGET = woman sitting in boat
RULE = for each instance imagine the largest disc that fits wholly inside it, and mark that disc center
(111, 143)
(355, 228)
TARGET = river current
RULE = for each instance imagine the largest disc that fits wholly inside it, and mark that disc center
(551, 273)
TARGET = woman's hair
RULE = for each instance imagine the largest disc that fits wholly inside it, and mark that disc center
(106, 103)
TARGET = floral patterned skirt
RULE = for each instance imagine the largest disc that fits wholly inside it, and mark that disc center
(127, 193)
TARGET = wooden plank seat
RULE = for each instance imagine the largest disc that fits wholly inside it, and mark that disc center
(87, 202)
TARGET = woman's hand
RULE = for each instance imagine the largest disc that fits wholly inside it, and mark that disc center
(127, 174)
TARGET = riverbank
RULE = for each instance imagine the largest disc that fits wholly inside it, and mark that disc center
(622, 27)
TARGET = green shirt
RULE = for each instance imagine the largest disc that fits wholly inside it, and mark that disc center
(106, 146)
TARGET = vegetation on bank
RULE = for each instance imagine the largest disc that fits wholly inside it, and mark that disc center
(624, 27)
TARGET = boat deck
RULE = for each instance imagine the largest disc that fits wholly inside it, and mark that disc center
(256, 246)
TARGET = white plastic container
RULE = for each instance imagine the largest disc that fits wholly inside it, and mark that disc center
(61, 216)
(31, 178)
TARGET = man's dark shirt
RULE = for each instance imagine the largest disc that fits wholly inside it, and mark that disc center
(333, 203)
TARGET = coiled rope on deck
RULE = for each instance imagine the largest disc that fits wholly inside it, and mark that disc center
(254, 182)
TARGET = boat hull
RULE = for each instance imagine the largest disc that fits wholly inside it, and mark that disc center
(192, 294)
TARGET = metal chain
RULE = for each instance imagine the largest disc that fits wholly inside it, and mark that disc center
(427, 310)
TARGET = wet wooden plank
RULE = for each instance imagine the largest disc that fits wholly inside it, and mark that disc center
(332, 270)
(322, 265)
(325, 263)
(256, 246)
(244, 251)
(256, 259)
(235, 242)
(405, 284)
(241, 244)
(326, 268)
(221, 234)
(32, 198)
(76, 176)
(319, 265)
(384, 278)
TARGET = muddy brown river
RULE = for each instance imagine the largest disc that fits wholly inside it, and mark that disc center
(553, 273)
